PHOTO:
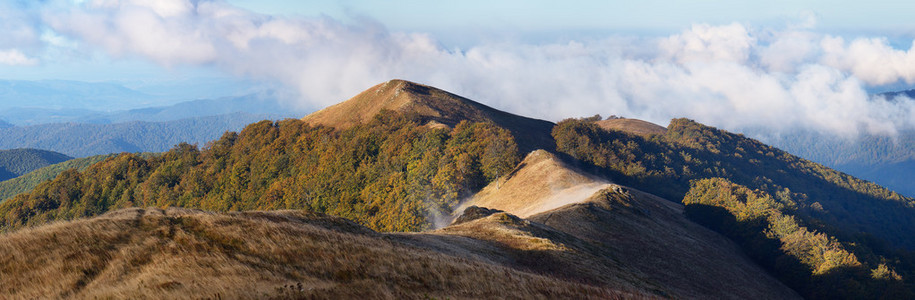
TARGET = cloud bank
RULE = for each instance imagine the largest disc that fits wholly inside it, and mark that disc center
(732, 76)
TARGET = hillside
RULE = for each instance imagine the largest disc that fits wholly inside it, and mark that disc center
(688, 150)
(433, 106)
(16, 162)
(648, 235)
(389, 174)
(176, 253)
(817, 229)
(188, 253)
(81, 140)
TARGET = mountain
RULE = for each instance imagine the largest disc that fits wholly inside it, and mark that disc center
(434, 106)
(254, 104)
(824, 233)
(80, 140)
(70, 94)
(883, 159)
(16, 162)
(603, 212)
(648, 234)
(250, 104)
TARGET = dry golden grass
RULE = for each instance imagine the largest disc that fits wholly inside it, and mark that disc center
(441, 108)
(541, 182)
(634, 126)
(186, 254)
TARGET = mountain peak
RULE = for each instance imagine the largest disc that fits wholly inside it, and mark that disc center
(401, 96)
(435, 106)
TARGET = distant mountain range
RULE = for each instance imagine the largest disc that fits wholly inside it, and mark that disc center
(63, 94)
(886, 160)
(252, 104)
(80, 140)
(83, 119)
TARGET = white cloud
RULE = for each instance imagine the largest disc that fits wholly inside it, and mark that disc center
(704, 43)
(870, 59)
(730, 76)
(14, 57)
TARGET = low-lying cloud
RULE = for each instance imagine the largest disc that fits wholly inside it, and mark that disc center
(733, 76)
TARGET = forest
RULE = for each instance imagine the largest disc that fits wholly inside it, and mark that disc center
(814, 263)
(27, 182)
(390, 174)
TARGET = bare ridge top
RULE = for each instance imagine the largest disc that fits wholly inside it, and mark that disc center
(540, 183)
(635, 126)
(402, 96)
(436, 106)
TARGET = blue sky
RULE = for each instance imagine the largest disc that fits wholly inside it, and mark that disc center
(733, 64)
(466, 23)
(637, 16)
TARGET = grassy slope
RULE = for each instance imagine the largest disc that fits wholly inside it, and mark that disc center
(144, 253)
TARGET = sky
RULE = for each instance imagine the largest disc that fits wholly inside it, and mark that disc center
(733, 64)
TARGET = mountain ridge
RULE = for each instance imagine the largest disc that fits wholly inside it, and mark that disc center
(80, 140)
(434, 106)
